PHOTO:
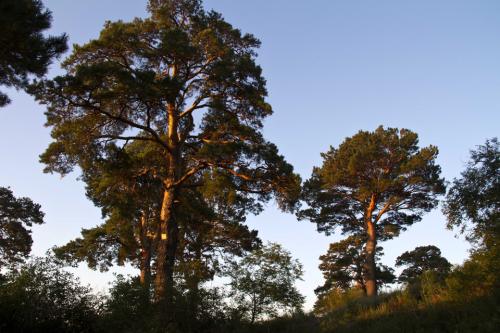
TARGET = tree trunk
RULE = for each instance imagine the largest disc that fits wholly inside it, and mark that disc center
(254, 311)
(169, 229)
(370, 267)
(145, 260)
(371, 245)
(167, 246)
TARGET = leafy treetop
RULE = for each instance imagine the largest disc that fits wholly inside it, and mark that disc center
(385, 165)
(420, 260)
(473, 200)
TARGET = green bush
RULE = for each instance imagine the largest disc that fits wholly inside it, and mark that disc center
(42, 297)
(467, 300)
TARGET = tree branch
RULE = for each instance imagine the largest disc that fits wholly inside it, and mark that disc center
(148, 129)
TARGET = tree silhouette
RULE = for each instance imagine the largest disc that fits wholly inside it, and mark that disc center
(420, 260)
(16, 216)
(26, 51)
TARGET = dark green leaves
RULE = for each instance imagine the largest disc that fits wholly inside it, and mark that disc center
(387, 164)
(473, 201)
(16, 216)
(420, 260)
(263, 282)
(25, 50)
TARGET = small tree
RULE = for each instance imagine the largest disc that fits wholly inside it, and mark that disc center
(343, 267)
(262, 283)
(420, 260)
(473, 201)
(374, 185)
(16, 216)
(25, 51)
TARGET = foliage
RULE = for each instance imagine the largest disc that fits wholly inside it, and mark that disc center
(467, 300)
(262, 283)
(16, 216)
(25, 50)
(420, 260)
(343, 267)
(101, 247)
(473, 200)
(437, 299)
(374, 185)
(127, 308)
(147, 81)
(387, 164)
(397, 313)
(42, 297)
(295, 323)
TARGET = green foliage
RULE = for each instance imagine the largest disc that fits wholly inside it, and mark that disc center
(117, 90)
(183, 86)
(42, 297)
(16, 216)
(420, 260)
(473, 201)
(25, 50)
(467, 300)
(128, 308)
(102, 246)
(394, 313)
(386, 163)
(343, 267)
(296, 323)
(435, 299)
(334, 299)
(372, 187)
(263, 283)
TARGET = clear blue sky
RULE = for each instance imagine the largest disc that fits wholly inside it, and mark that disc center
(333, 68)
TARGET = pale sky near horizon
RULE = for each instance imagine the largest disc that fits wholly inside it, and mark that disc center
(333, 68)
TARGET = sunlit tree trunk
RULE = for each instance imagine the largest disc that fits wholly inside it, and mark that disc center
(169, 229)
(371, 245)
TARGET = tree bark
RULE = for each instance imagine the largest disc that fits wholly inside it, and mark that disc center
(370, 267)
(169, 229)
(167, 246)
(371, 245)
(145, 259)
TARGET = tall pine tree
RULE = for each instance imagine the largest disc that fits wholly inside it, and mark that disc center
(185, 81)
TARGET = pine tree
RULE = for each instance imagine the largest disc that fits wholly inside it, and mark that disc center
(185, 81)
(17, 215)
(26, 52)
(343, 267)
(373, 186)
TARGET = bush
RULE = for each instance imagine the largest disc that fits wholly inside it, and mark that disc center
(127, 308)
(466, 301)
(42, 297)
